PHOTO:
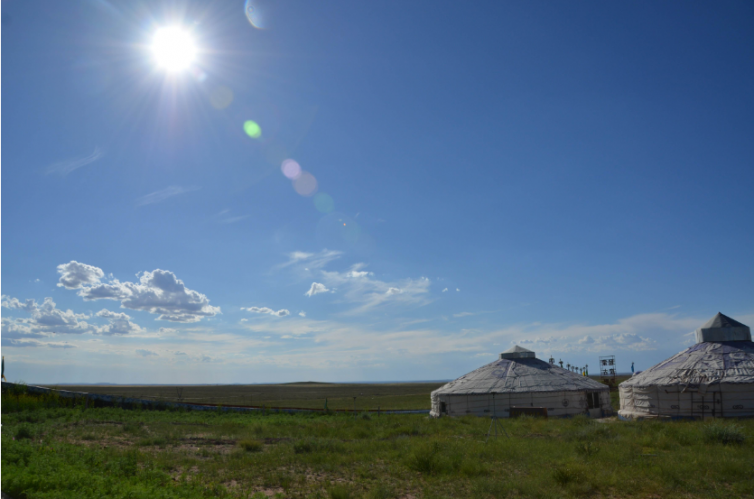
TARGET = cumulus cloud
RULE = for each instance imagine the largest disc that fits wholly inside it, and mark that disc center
(65, 167)
(158, 292)
(75, 275)
(316, 289)
(146, 353)
(393, 291)
(302, 314)
(120, 323)
(46, 318)
(163, 194)
(266, 310)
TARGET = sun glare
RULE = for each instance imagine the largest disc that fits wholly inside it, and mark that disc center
(173, 48)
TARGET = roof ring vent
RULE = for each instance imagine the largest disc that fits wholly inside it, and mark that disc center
(723, 328)
(517, 352)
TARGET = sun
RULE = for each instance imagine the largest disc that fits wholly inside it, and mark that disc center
(173, 48)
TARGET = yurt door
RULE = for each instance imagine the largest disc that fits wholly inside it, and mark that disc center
(717, 404)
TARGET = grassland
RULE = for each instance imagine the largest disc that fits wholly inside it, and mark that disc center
(311, 395)
(53, 451)
(304, 395)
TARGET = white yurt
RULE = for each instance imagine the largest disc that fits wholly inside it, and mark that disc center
(713, 378)
(519, 380)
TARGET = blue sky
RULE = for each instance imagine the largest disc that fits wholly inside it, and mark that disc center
(574, 178)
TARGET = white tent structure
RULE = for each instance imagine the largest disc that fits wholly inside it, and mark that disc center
(519, 380)
(714, 378)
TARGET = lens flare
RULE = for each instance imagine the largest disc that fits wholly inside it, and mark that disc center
(220, 97)
(290, 169)
(336, 229)
(258, 13)
(305, 184)
(324, 203)
(173, 48)
(252, 129)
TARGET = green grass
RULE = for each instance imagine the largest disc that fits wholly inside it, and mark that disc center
(309, 395)
(51, 452)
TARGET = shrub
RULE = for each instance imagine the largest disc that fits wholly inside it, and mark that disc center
(586, 449)
(473, 467)
(251, 445)
(382, 491)
(425, 459)
(564, 475)
(131, 428)
(23, 432)
(723, 433)
(340, 492)
(316, 445)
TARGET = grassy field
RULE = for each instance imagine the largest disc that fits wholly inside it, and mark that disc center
(305, 395)
(49, 451)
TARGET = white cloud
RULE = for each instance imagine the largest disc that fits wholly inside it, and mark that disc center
(312, 260)
(458, 289)
(445, 290)
(74, 275)
(120, 323)
(266, 310)
(163, 194)
(339, 344)
(231, 220)
(302, 314)
(368, 292)
(12, 342)
(146, 353)
(316, 289)
(157, 292)
(45, 318)
(65, 167)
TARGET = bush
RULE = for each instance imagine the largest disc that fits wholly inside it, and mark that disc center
(725, 434)
(382, 491)
(251, 445)
(425, 459)
(564, 475)
(586, 449)
(340, 492)
(316, 445)
(23, 432)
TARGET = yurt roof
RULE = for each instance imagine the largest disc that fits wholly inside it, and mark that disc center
(703, 363)
(517, 352)
(723, 328)
(519, 375)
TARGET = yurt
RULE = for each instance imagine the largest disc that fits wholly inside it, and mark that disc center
(713, 378)
(518, 381)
